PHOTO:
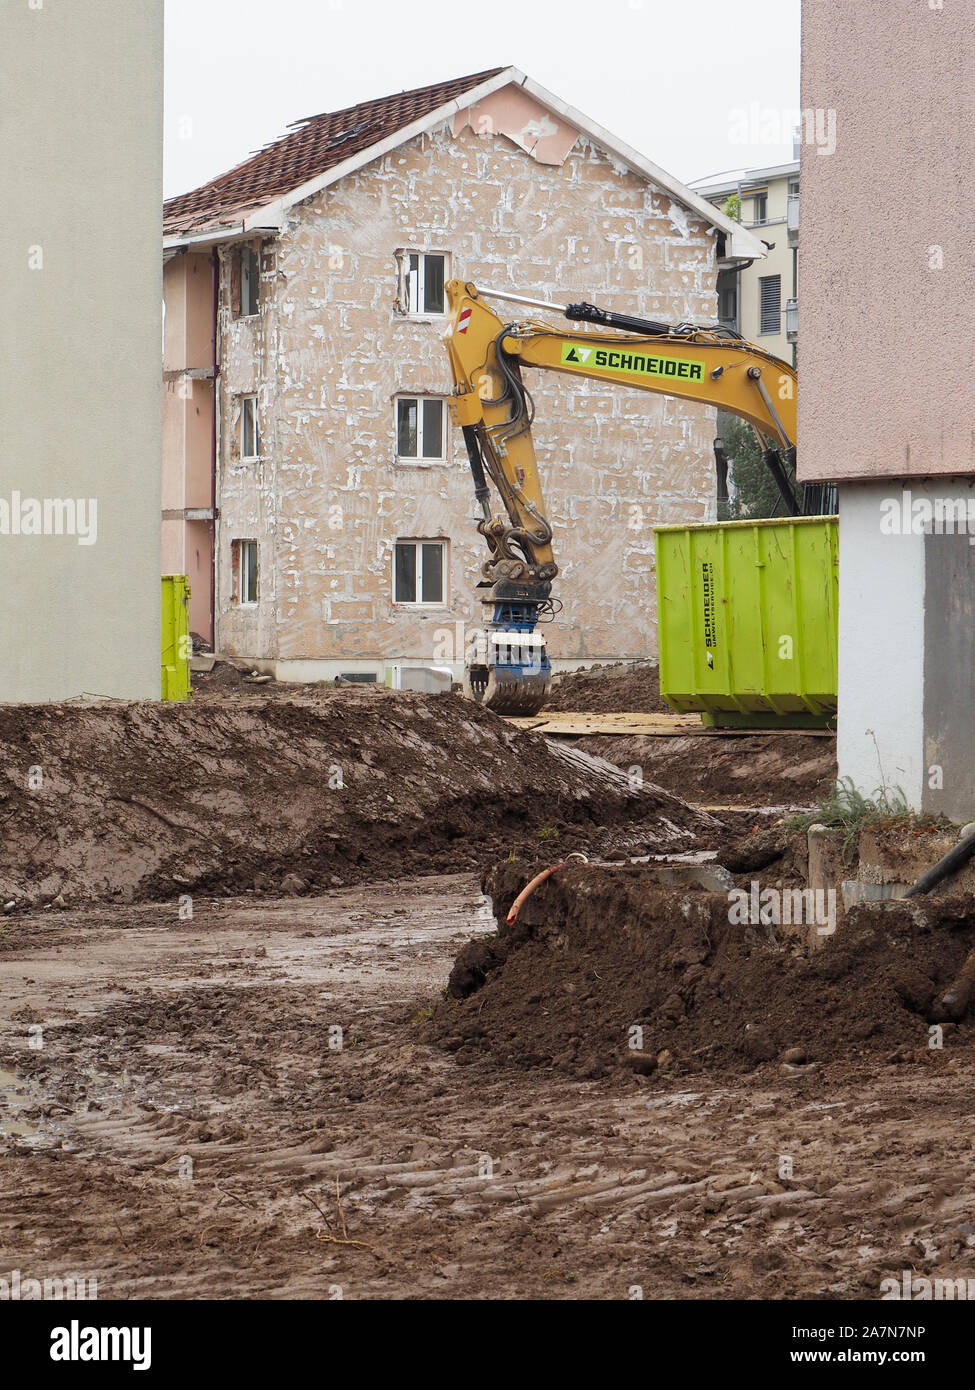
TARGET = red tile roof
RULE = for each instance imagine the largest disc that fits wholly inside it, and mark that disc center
(313, 145)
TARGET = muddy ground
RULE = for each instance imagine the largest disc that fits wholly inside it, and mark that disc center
(240, 1056)
(186, 1130)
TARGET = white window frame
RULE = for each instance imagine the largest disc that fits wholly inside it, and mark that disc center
(419, 459)
(418, 543)
(245, 401)
(244, 569)
(412, 284)
(247, 256)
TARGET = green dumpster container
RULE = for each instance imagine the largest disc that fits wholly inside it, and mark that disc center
(747, 619)
(177, 647)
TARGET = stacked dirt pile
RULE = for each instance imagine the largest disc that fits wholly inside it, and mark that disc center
(597, 951)
(234, 680)
(723, 770)
(130, 801)
(609, 689)
(729, 770)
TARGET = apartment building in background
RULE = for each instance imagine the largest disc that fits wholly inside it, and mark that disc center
(314, 489)
(761, 301)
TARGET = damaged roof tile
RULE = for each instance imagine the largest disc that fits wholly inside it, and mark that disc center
(313, 145)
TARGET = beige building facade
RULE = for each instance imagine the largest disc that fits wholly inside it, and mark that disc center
(343, 513)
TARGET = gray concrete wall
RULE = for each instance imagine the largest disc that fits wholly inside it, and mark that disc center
(80, 349)
(949, 669)
(888, 264)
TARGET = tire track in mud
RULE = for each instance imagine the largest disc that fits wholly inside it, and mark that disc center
(203, 1139)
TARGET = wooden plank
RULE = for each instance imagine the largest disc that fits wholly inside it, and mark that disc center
(572, 725)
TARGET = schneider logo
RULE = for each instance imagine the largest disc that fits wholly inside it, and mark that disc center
(710, 626)
(637, 364)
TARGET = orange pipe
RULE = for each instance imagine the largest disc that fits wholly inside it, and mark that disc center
(528, 890)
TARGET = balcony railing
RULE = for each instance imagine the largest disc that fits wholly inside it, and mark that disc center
(792, 320)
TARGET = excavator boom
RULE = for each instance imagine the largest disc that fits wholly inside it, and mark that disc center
(509, 669)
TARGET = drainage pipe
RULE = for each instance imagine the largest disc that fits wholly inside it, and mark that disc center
(950, 864)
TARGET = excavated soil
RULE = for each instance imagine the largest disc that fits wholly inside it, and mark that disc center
(786, 770)
(783, 770)
(126, 802)
(609, 689)
(597, 951)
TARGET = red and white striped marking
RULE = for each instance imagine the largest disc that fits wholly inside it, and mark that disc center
(463, 320)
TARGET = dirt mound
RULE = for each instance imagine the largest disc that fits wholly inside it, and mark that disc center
(597, 952)
(620, 688)
(230, 680)
(151, 800)
(720, 770)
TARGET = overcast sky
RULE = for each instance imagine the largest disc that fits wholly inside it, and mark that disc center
(698, 86)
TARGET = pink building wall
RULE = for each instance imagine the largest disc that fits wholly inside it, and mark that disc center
(887, 291)
(188, 430)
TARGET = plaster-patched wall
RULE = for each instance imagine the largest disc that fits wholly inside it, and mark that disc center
(329, 352)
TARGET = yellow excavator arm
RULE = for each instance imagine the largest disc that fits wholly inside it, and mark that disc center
(510, 670)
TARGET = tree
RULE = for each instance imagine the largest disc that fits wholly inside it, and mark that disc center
(753, 491)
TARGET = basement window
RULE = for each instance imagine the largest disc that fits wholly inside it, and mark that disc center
(244, 561)
(770, 303)
(250, 433)
(245, 282)
(422, 276)
(420, 572)
(420, 433)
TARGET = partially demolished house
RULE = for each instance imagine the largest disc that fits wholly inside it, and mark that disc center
(313, 488)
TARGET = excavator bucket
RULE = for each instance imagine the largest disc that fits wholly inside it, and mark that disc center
(510, 672)
(510, 694)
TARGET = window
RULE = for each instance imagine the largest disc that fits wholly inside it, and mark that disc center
(419, 427)
(422, 278)
(760, 205)
(770, 309)
(245, 282)
(727, 304)
(419, 572)
(244, 561)
(250, 434)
